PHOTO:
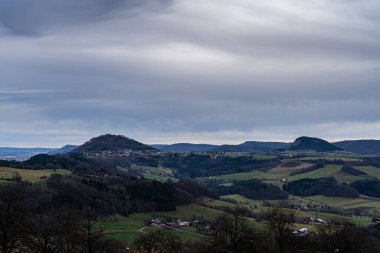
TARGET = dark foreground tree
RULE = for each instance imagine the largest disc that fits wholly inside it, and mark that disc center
(42, 233)
(158, 241)
(280, 224)
(12, 216)
(342, 236)
(233, 233)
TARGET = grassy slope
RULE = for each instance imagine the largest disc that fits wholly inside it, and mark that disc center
(30, 175)
(370, 170)
(362, 201)
(332, 158)
(156, 173)
(277, 173)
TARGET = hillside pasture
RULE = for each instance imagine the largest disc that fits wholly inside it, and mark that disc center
(332, 158)
(346, 203)
(156, 173)
(274, 173)
(33, 176)
(277, 173)
(370, 170)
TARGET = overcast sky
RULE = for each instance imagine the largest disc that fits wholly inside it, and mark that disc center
(203, 71)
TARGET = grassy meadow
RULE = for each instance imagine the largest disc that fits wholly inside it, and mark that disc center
(29, 175)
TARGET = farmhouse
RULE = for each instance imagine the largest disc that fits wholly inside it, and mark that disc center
(301, 232)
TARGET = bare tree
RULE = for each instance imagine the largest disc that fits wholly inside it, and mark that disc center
(94, 240)
(158, 241)
(69, 222)
(280, 223)
(12, 216)
(42, 233)
(233, 233)
(340, 235)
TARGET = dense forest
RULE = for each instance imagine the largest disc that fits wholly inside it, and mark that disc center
(368, 187)
(322, 186)
(253, 189)
(194, 165)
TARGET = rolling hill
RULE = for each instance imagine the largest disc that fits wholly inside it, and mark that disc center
(113, 143)
(311, 143)
(184, 147)
(251, 146)
(21, 153)
(63, 150)
(363, 147)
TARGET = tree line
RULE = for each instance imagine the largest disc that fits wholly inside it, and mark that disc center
(253, 189)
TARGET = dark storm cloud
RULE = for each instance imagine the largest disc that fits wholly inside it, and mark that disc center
(202, 71)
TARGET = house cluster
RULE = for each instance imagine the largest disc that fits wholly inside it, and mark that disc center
(201, 226)
(119, 153)
(171, 225)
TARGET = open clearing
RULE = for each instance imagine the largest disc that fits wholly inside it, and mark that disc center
(156, 173)
(29, 175)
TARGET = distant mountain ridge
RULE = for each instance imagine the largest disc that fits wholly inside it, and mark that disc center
(25, 153)
(184, 147)
(13, 151)
(118, 142)
(363, 147)
(113, 143)
(301, 143)
(65, 149)
(251, 146)
(8, 153)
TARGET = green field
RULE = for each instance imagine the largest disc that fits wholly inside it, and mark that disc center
(370, 170)
(243, 200)
(362, 201)
(218, 203)
(327, 171)
(156, 173)
(187, 212)
(239, 176)
(159, 177)
(279, 172)
(258, 157)
(275, 173)
(29, 175)
(333, 158)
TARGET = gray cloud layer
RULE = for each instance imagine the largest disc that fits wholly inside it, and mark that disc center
(204, 71)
